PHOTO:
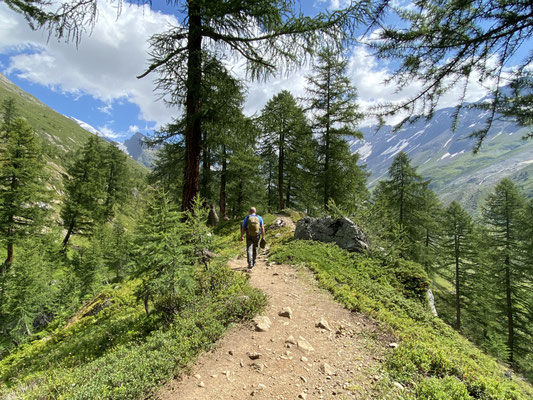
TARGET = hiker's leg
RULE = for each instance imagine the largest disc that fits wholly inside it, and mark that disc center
(256, 243)
(249, 251)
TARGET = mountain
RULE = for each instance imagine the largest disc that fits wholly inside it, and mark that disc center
(445, 156)
(135, 147)
(60, 135)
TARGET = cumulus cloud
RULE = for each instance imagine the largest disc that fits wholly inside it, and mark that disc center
(104, 65)
(133, 129)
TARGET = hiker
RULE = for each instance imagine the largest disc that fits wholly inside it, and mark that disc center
(253, 227)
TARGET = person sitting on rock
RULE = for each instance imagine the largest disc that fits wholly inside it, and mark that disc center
(253, 227)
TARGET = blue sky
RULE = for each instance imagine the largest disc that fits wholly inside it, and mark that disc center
(96, 82)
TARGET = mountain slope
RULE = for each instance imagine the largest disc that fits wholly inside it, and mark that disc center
(446, 156)
(59, 134)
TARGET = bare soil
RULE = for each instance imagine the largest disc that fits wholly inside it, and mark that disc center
(343, 364)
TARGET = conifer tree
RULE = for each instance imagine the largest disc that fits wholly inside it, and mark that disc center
(22, 181)
(85, 190)
(160, 249)
(116, 179)
(284, 129)
(458, 251)
(504, 215)
(332, 101)
(400, 199)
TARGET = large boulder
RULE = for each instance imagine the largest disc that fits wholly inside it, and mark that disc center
(341, 231)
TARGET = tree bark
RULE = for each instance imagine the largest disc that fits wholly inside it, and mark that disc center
(327, 144)
(69, 232)
(206, 170)
(457, 285)
(508, 294)
(193, 129)
(223, 182)
(280, 168)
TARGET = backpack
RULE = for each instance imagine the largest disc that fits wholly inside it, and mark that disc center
(253, 226)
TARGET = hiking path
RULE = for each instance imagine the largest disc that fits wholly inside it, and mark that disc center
(315, 350)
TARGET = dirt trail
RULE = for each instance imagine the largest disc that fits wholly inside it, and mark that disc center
(342, 363)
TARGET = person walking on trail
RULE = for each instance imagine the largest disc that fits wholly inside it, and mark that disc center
(254, 228)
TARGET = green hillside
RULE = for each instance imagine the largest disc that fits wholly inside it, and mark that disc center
(59, 134)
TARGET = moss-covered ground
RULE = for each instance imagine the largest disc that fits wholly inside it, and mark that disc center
(431, 361)
(110, 349)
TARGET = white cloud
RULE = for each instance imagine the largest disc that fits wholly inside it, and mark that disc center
(105, 64)
(106, 109)
(107, 132)
(133, 129)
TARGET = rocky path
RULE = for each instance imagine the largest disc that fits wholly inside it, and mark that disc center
(305, 345)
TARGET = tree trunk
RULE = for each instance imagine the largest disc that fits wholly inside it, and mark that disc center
(281, 161)
(69, 232)
(457, 288)
(327, 145)
(288, 205)
(270, 186)
(193, 129)
(223, 180)
(508, 296)
(206, 170)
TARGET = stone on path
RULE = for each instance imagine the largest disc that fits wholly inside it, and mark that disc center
(290, 340)
(286, 312)
(304, 344)
(327, 369)
(254, 355)
(323, 324)
(262, 323)
(201, 384)
(302, 395)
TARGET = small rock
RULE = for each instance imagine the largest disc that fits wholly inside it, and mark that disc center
(398, 385)
(261, 387)
(303, 378)
(257, 366)
(302, 395)
(230, 352)
(304, 344)
(303, 359)
(393, 345)
(262, 323)
(214, 376)
(286, 312)
(201, 384)
(198, 376)
(290, 340)
(323, 324)
(327, 369)
(254, 355)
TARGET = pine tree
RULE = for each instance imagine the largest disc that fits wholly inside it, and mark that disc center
(332, 101)
(400, 200)
(116, 177)
(85, 190)
(22, 181)
(284, 128)
(448, 44)
(458, 251)
(504, 215)
(161, 255)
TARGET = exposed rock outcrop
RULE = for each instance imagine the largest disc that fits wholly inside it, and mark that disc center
(345, 233)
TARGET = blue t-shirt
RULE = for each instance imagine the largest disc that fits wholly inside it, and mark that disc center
(245, 222)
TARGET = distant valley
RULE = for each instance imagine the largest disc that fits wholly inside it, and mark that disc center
(446, 157)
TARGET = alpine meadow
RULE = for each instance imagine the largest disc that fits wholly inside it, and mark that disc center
(277, 199)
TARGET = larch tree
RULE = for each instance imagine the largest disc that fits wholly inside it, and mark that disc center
(85, 191)
(447, 45)
(503, 213)
(23, 193)
(266, 34)
(284, 127)
(333, 107)
(116, 179)
(458, 252)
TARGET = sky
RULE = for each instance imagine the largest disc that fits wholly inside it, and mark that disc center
(95, 82)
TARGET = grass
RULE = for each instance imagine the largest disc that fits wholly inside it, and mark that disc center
(111, 349)
(432, 360)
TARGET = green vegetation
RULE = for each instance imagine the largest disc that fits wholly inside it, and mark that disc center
(432, 360)
(106, 348)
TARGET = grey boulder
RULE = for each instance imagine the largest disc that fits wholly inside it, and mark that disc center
(345, 233)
